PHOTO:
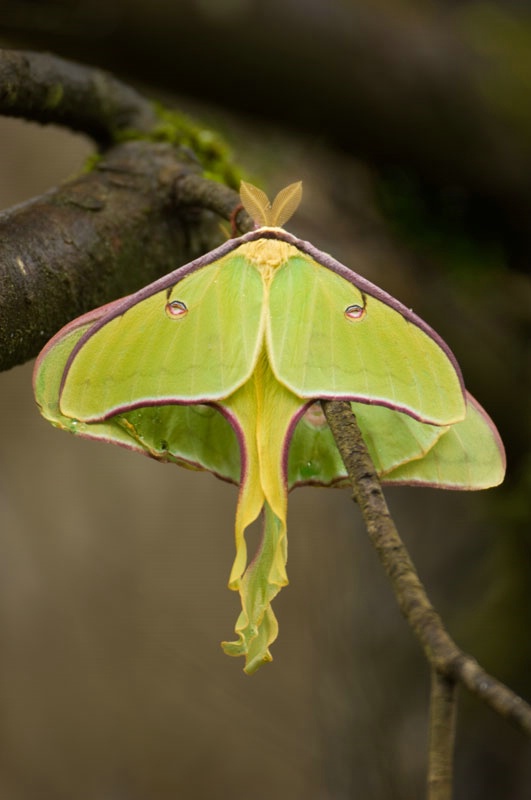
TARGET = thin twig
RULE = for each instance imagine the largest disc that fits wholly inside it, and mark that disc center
(440, 649)
(443, 712)
(193, 190)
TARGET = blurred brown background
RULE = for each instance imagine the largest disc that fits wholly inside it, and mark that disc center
(410, 126)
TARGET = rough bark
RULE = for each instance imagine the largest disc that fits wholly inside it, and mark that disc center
(97, 237)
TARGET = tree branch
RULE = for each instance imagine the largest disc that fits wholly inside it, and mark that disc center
(114, 228)
(440, 649)
(439, 89)
(192, 190)
(48, 89)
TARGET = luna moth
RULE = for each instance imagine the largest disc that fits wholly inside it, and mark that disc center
(220, 365)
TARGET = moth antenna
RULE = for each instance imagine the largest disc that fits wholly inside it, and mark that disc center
(285, 204)
(256, 203)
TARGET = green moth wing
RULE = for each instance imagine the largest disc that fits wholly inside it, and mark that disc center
(466, 455)
(332, 335)
(48, 374)
(469, 455)
(192, 436)
(392, 438)
(181, 340)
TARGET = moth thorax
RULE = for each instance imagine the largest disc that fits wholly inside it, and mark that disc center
(268, 254)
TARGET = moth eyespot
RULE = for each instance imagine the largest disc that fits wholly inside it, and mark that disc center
(175, 309)
(354, 312)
